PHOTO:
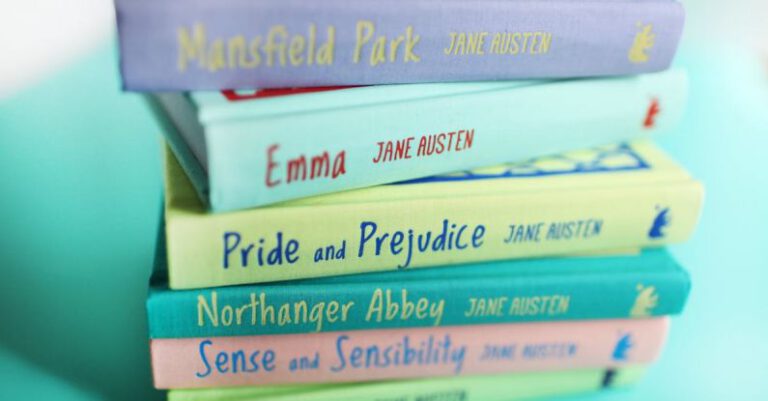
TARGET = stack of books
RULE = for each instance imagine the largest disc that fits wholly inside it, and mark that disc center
(411, 200)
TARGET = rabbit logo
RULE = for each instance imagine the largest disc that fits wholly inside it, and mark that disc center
(661, 221)
(653, 112)
(622, 347)
(644, 41)
(647, 299)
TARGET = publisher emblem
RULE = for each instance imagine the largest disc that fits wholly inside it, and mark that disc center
(644, 41)
(622, 347)
(647, 299)
(653, 112)
(660, 222)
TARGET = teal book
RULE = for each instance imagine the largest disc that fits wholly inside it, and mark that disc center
(249, 149)
(647, 284)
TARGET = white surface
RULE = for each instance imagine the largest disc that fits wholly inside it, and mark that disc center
(38, 37)
(742, 22)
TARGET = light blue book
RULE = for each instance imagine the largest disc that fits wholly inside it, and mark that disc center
(252, 149)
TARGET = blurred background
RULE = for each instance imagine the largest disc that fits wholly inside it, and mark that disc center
(81, 193)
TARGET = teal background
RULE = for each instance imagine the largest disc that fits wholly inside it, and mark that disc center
(80, 179)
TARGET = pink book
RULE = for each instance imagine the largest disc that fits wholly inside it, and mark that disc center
(404, 353)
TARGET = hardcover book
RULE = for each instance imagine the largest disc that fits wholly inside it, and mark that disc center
(500, 387)
(204, 45)
(606, 198)
(576, 288)
(404, 353)
(247, 149)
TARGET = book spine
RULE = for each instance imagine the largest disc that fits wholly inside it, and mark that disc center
(501, 387)
(404, 353)
(289, 243)
(169, 45)
(629, 291)
(253, 162)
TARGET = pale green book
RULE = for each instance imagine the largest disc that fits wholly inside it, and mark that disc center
(504, 387)
(612, 197)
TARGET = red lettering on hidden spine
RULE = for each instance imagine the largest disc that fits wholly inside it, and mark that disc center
(237, 96)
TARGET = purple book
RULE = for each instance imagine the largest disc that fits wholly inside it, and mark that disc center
(223, 44)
